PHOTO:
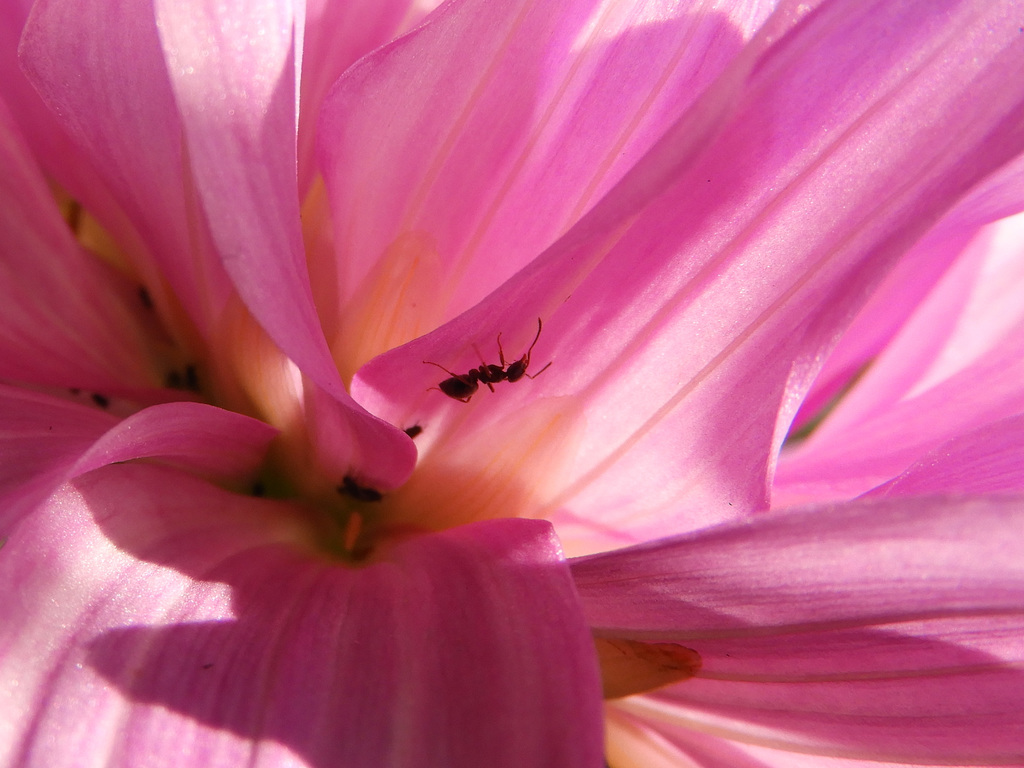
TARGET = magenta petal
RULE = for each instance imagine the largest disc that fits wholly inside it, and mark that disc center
(347, 441)
(998, 196)
(690, 309)
(885, 630)
(194, 436)
(41, 438)
(52, 147)
(465, 648)
(987, 460)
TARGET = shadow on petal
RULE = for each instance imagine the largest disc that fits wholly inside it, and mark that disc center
(448, 649)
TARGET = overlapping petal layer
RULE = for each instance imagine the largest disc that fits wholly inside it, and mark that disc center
(955, 367)
(752, 230)
(135, 144)
(999, 196)
(336, 35)
(224, 639)
(693, 248)
(885, 630)
(65, 319)
(45, 441)
(491, 155)
(218, 174)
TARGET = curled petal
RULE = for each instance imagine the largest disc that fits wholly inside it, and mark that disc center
(234, 72)
(45, 441)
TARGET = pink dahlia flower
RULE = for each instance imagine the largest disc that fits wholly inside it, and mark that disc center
(370, 315)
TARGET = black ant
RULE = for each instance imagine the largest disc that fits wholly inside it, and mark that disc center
(463, 386)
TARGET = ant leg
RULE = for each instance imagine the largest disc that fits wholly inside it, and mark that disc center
(453, 375)
(501, 352)
(538, 373)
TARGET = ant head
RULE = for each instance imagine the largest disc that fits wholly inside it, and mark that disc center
(517, 370)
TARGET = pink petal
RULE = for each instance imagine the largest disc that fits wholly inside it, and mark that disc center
(998, 196)
(193, 436)
(234, 642)
(75, 54)
(877, 630)
(234, 71)
(955, 366)
(689, 386)
(694, 749)
(987, 460)
(491, 154)
(338, 32)
(54, 150)
(348, 441)
(65, 319)
(233, 75)
(45, 441)
(41, 437)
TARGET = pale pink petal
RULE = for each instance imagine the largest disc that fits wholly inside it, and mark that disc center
(337, 33)
(76, 54)
(233, 71)
(689, 387)
(233, 75)
(505, 122)
(956, 365)
(632, 743)
(885, 312)
(65, 318)
(886, 630)
(232, 641)
(348, 441)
